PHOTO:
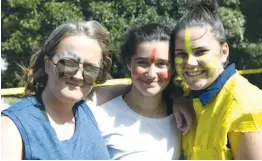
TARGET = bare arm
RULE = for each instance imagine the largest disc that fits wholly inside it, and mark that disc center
(248, 146)
(101, 95)
(11, 141)
(184, 113)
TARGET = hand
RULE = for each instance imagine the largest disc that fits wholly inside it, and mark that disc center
(184, 113)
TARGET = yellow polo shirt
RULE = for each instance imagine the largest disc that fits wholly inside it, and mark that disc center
(230, 105)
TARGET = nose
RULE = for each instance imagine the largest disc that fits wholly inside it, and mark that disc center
(192, 60)
(152, 71)
(79, 73)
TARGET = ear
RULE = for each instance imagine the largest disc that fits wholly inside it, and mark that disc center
(224, 52)
(128, 65)
(108, 63)
(47, 64)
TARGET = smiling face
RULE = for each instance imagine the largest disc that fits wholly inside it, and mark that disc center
(150, 67)
(199, 57)
(81, 49)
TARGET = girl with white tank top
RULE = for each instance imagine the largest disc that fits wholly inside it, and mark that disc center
(140, 124)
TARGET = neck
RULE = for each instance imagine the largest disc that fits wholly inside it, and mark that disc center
(150, 106)
(57, 109)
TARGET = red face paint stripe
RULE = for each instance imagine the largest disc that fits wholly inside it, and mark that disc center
(153, 55)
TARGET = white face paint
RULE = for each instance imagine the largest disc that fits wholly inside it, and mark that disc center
(79, 47)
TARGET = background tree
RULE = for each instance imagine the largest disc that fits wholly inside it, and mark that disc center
(25, 23)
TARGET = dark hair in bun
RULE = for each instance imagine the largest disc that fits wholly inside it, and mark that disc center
(209, 5)
(201, 13)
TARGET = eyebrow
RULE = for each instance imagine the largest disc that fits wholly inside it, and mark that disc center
(86, 63)
(200, 47)
(146, 58)
(141, 58)
(197, 48)
(179, 50)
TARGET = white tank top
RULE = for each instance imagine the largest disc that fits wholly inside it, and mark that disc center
(129, 135)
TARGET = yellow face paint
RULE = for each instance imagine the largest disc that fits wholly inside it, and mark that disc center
(211, 62)
(178, 61)
(188, 41)
(209, 66)
(187, 45)
(178, 69)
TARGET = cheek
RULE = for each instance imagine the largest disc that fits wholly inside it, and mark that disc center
(164, 75)
(137, 73)
(178, 64)
(211, 63)
(87, 90)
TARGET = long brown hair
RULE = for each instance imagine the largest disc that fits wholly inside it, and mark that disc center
(35, 75)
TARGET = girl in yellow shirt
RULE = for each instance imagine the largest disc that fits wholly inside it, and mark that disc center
(228, 108)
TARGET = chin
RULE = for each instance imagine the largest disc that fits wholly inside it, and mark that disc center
(198, 85)
(72, 96)
(150, 92)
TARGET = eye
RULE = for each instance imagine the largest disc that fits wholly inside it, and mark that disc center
(181, 54)
(68, 62)
(142, 63)
(162, 64)
(91, 68)
(200, 52)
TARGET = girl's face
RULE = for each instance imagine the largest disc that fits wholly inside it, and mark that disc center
(199, 57)
(150, 67)
(74, 68)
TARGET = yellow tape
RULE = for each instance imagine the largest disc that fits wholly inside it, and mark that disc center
(112, 82)
(250, 71)
(21, 90)
(13, 91)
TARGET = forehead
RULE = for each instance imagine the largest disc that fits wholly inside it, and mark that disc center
(87, 49)
(146, 49)
(198, 36)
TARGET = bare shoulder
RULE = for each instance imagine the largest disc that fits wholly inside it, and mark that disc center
(247, 145)
(101, 95)
(8, 124)
(11, 140)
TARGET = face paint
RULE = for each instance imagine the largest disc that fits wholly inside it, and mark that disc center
(178, 64)
(188, 41)
(164, 75)
(153, 55)
(178, 61)
(178, 69)
(137, 73)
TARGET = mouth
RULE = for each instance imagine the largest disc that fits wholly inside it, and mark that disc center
(149, 82)
(74, 84)
(194, 73)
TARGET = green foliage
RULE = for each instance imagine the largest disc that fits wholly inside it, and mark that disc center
(26, 23)
(120, 15)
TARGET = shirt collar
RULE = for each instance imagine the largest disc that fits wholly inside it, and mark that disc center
(207, 94)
